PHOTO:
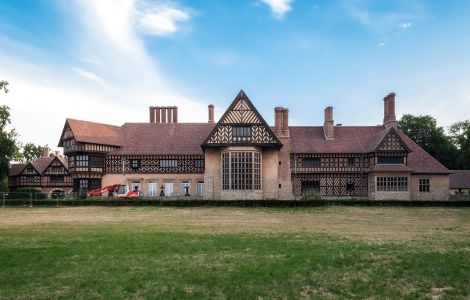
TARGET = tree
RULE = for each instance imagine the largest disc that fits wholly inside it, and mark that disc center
(31, 152)
(8, 143)
(460, 134)
(425, 132)
(3, 86)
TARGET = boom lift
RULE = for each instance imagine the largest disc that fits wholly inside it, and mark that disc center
(118, 190)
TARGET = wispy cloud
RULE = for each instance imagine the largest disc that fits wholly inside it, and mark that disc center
(279, 8)
(91, 76)
(160, 19)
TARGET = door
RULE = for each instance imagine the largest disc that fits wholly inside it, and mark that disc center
(200, 188)
(168, 188)
(152, 189)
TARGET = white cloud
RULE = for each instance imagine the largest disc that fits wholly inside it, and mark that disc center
(279, 7)
(405, 25)
(161, 20)
(108, 52)
(91, 76)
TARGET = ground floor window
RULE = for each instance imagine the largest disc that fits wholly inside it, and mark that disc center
(168, 189)
(185, 188)
(424, 185)
(392, 184)
(310, 187)
(241, 170)
(200, 189)
(152, 185)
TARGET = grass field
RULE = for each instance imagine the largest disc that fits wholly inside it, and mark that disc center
(234, 253)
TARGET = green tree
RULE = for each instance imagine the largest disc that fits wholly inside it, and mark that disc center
(3, 86)
(425, 132)
(8, 144)
(460, 134)
(30, 152)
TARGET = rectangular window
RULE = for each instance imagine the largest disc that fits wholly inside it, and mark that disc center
(351, 161)
(200, 189)
(57, 179)
(390, 160)
(241, 170)
(168, 163)
(135, 164)
(199, 163)
(311, 163)
(424, 185)
(185, 188)
(96, 161)
(71, 161)
(239, 131)
(310, 187)
(392, 184)
(83, 184)
(168, 189)
(350, 187)
(152, 185)
(81, 160)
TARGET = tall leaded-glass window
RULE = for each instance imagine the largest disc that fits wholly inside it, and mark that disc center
(241, 170)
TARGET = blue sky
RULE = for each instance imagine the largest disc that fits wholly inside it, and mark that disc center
(108, 60)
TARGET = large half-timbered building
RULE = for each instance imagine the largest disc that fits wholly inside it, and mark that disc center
(242, 157)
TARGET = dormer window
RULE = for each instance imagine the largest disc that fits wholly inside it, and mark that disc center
(390, 160)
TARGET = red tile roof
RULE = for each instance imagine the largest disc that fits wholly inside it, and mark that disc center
(41, 163)
(459, 179)
(164, 139)
(95, 133)
(15, 169)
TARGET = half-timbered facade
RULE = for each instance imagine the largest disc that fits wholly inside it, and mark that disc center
(242, 157)
(48, 174)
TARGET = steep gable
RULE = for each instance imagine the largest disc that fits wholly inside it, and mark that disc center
(56, 167)
(391, 142)
(30, 170)
(242, 125)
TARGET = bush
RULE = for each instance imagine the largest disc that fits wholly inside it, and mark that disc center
(25, 194)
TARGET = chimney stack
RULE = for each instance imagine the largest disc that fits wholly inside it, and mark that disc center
(285, 121)
(329, 126)
(163, 114)
(57, 153)
(390, 119)
(278, 120)
(211, 113)
(46, 151)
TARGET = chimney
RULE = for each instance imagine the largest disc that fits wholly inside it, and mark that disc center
(285, 121)
(175, 114)
(57, 153)
(390, 119)
(152, 114)
(211, 113)
(46, 151)
(278, 120)
(329, 126)
(163, 117)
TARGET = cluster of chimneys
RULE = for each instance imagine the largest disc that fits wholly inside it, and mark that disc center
(46, 152)
(169, 114)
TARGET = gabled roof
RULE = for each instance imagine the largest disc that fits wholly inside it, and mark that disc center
(348, 139)
(41, 163)
(16, 169)
(30, 165)
(163, 138)
(95, 133)
(459, 179)
(241, 112)
(386, 135)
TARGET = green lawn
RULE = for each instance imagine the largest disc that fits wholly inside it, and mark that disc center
(233, 253)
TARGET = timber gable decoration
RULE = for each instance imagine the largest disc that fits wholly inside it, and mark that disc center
(242, 125)
(392, 142)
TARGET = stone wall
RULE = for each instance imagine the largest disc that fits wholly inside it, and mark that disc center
(438, 187)
(379, 195)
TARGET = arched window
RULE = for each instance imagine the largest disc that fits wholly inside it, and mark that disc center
(241, 170)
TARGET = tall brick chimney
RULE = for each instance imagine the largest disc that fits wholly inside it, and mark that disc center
(278, 120)
(211, 113)
(390, 119)
(328, 125)
(285, 121)
(163, 114)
